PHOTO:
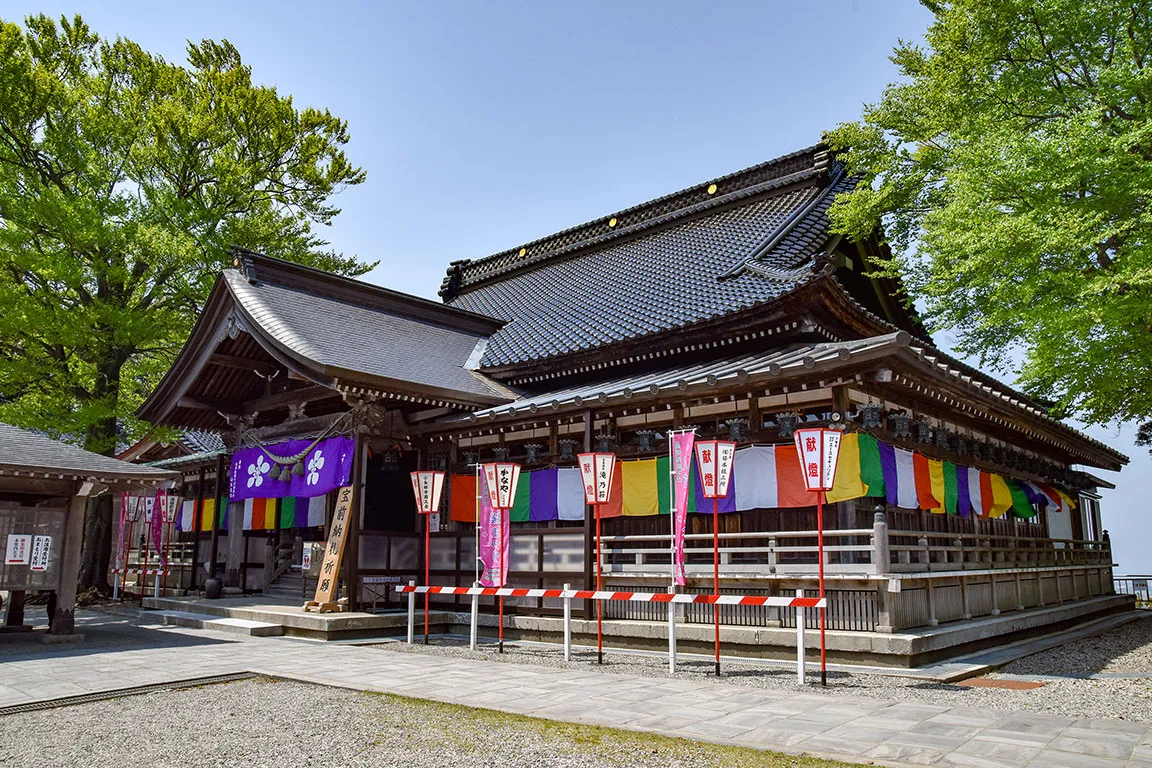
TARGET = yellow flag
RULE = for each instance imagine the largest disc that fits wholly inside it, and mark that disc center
(1001, 497)
(848, 483)
(936, 475)
(641, 489)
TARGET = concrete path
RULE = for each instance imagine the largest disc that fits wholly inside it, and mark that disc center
(124, 653)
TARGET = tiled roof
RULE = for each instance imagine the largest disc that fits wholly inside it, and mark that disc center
(199, 441)
(679, 260)
(25, 451)
(704, 374)
(352, 340)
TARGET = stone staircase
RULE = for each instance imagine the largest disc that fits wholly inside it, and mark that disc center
(289, 585)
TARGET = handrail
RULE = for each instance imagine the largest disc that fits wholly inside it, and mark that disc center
(282, 561)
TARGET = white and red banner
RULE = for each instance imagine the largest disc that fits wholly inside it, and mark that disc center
(596, 471)
(715, 458)
(680, 450)
(427, 487)
(819, 452)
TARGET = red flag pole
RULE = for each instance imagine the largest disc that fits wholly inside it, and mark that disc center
(716, 575)
(599, 603)
(820, 554)
(427, 571)
(502, 567)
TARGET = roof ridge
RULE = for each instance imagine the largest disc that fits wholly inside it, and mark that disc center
(253, 267)
(661, 210)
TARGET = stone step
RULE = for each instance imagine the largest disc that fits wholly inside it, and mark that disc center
(206, 621)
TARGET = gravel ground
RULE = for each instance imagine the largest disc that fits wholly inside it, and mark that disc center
(263, 723)
(1117, 698)
(1126, 649)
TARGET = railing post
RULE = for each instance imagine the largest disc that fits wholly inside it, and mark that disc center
(881, 551)
(1019, 594)
(884, 606)
(411, 613)
(475, 616)
(567, 624)
(925, 554)
(800, 670)
(932, 621)
(995, 595)
(967, 613)
(772, 556)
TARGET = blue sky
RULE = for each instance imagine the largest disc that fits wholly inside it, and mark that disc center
(486, 125)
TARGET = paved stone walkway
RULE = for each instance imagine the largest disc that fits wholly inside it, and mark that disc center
(888, 733)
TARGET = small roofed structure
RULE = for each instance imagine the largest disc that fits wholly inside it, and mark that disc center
(44, 487)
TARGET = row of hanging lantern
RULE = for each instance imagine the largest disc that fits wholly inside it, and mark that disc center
(817, 448)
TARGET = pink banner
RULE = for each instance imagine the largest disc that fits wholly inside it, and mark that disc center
(494, 531)
(680, 446)
(123, 521)
(158, 527)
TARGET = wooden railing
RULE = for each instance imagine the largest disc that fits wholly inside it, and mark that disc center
(915, 551)
(781, 552)
(868, 551)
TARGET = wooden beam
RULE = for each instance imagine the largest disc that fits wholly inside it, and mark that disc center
(290, 397)
(202, 403)
(261, 367)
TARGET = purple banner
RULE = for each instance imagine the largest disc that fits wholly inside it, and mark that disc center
(494, 534)
(680, 446)
(326, 467)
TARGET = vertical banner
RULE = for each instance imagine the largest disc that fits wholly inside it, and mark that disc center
(125, 500)
(493, 537)
(41, 553)
(334, 552)
(157, 523)
(17, 552)
(811, 457)
(680, 447)
(831, 453)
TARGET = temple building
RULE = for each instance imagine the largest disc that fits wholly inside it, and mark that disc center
(962, 511)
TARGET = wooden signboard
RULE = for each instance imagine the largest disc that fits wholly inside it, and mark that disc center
(329, 574)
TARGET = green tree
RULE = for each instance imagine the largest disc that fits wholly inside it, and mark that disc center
(1011, 171)
(123, 180)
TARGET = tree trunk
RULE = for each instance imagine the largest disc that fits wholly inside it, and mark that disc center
(97, 551)
(101, 438)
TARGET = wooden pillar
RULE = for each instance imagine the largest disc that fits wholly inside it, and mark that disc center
(352, 543)
(15, 609)
(234, 564)
(589, 527)
(64, 622)
(214, 548)
(197, 514)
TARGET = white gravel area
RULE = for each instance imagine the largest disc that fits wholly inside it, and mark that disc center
(1126, 649)
(1124, 699)
(264, 723)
